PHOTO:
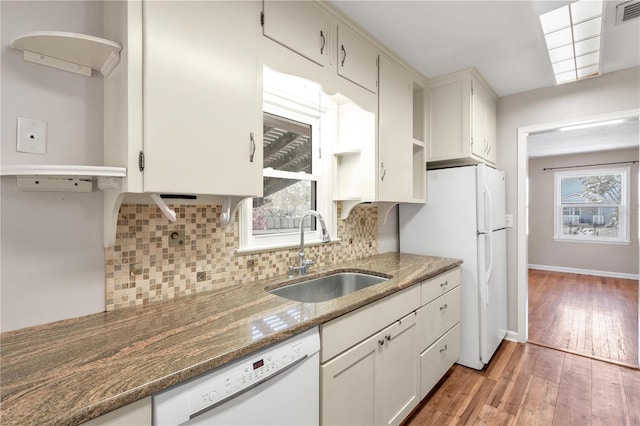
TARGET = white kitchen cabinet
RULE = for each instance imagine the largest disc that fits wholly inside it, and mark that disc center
(395, 127)
(375, 382)
(462, 120)
(136, 413)
(183, 109)
(357, 59)
(301, 26)
(438, 329)
(368, 361)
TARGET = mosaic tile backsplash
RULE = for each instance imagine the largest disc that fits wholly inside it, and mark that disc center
(142, 268)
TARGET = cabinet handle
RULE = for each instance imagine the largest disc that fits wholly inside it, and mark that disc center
(344, 54)
(444, 349)
(383, 171)
(442, 308)
(444, 284)
(324, 42)
(381, 342)
(388, 337)
(488, 149)
(253, 147)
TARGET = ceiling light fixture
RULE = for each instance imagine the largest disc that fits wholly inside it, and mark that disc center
(572, 34)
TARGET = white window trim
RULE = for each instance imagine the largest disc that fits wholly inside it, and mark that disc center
(625, 207)
(322, 118)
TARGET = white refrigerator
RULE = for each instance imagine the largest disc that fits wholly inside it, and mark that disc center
(464, 218)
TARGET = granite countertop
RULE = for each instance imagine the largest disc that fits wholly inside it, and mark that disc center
(74, 370)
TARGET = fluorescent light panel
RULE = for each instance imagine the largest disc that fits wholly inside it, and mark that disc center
(573, 38)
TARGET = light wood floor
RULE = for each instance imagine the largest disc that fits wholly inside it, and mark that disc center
(526, 384)
(585, 314)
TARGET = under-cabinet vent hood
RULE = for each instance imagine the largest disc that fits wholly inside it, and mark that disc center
(627, 11)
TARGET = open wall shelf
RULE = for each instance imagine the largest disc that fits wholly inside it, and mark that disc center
(76, 53)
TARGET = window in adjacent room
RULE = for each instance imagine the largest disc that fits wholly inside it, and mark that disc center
(592, 205)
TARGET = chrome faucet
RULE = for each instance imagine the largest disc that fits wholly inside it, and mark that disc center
(305, 263)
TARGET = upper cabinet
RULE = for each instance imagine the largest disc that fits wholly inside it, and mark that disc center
(183, 110)
(395, 132)
(303, 27)
(462, 120)
(357, 59)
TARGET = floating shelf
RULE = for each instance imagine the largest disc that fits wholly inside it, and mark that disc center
(76, 53)
(65, 178)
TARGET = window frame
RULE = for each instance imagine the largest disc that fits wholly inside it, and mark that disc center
(321, 115)
(624, 229)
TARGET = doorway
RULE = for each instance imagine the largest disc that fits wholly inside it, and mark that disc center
(524, 228)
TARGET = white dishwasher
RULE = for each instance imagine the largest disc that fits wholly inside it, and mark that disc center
(277, 386)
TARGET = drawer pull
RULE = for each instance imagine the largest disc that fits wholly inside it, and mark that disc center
(444, 349)
(442, 308)
(381, 342)
(444, 284)
(388, 337)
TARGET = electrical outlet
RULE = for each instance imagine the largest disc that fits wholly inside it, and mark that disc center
(508, 220)
(176, 239)
(31, 136)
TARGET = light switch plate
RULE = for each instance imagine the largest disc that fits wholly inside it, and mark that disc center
(31, 136)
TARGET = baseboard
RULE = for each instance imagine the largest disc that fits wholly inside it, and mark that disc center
(585, 272)
(511, 336)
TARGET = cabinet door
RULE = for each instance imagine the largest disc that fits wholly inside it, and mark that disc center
(491, 130)
(301, 26)
(357, 59)
(348, 393)
(395, 146)
(449, 123)
(202, 131)
(438, 358)
(479, 142)
(437, 317)
(397, 374)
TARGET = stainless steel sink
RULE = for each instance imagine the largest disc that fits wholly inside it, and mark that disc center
(328, 287)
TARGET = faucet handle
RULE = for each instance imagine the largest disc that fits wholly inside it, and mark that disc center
(290, 274)
(308, 262)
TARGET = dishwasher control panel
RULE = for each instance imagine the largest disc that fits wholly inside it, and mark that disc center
(187, 400)
(248, 374)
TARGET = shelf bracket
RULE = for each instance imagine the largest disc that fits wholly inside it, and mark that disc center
(229, 208)
(112, 202)
(384, 208)
(347, 206)
(164, 208)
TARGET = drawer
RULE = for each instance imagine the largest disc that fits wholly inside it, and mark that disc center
(343, 332)
(435, 361)
(439, 285)
(437, 317)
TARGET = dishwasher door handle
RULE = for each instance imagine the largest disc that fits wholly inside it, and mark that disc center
(248, 388)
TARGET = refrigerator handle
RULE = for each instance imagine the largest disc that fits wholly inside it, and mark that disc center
(490, 254)
(488, 208)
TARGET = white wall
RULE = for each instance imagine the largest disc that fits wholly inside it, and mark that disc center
(604, 94)
(52, 257)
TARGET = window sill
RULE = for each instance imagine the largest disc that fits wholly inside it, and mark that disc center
(283, 246)
(591, 241)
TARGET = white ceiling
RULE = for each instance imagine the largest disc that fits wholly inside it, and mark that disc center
(603, 138)
(502, 39)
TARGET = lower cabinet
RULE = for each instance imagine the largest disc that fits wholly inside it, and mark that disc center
(438, 327)
(379, 361)
(438, 358)
(376, 381)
